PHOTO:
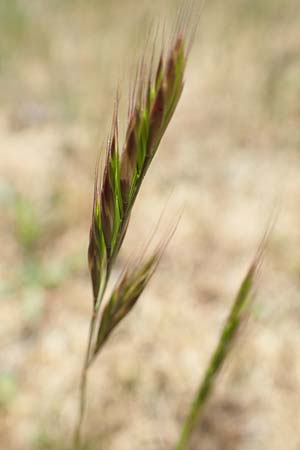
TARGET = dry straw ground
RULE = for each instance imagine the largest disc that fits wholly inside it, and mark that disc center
(232, 150)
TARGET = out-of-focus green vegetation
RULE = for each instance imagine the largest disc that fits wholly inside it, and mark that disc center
(21, 33)
(34, 226)
(8, 389)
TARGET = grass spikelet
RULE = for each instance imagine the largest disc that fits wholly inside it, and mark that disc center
(124, 297)
(154, 100)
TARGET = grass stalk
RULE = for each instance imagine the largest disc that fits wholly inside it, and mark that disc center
(84, 374)
(239, 311)
(83, 384)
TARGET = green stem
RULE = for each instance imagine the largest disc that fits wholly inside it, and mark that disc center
(83, 384)
(229, 331)
(201, 396)
(86, 365)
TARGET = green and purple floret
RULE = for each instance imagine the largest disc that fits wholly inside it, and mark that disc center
(152, 105)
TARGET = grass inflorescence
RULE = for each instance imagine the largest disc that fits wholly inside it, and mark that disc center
(155, 94)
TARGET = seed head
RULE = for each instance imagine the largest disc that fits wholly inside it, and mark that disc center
(155, 96)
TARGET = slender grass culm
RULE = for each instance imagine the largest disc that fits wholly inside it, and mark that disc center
(156, 91)
(239, 311)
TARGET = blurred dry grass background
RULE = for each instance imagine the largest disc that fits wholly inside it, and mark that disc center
(231, 151)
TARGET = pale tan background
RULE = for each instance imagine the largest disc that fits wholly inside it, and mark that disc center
(231, 152)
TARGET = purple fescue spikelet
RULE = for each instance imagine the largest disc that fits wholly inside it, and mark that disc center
(155, 96)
